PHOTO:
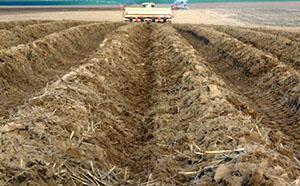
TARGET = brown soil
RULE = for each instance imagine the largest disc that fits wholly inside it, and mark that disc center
(22, 35)
(272, 14)
(28, 68)
(149, 107)
(268, 86)
(13, 24)
(285, 49)
(292, 35)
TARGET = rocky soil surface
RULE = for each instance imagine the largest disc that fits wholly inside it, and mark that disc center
(143, 104)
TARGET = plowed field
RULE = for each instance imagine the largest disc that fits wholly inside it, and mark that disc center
(144, 104)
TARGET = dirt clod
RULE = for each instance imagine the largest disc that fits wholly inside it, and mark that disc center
(146, 104)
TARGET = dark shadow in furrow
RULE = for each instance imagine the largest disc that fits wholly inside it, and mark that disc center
(43, 61)
(266, 106)
(280, 47)
(143, 156)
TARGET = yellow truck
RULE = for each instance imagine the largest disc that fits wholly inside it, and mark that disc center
(148, 13)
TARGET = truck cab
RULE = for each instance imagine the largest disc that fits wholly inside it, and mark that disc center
(148, 5)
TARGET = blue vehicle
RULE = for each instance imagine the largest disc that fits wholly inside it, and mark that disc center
(180, 5)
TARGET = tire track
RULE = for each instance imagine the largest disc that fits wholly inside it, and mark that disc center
(264, 88)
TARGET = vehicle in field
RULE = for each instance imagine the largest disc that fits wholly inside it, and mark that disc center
(180, 5)
(148, 13)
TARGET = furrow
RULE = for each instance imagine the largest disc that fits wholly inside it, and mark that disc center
(292, 35)
(13, 24)
(268, 87)
(146, 109)
(284, 49)
(27, 68)
(29, 33)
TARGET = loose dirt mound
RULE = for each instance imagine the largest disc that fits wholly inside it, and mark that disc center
(12, 24)
(193, 119)
(25, 34)
(269, 85)
(90, 107)
(286, 50)
(144, 109)
(27, 68)
(292, 35)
